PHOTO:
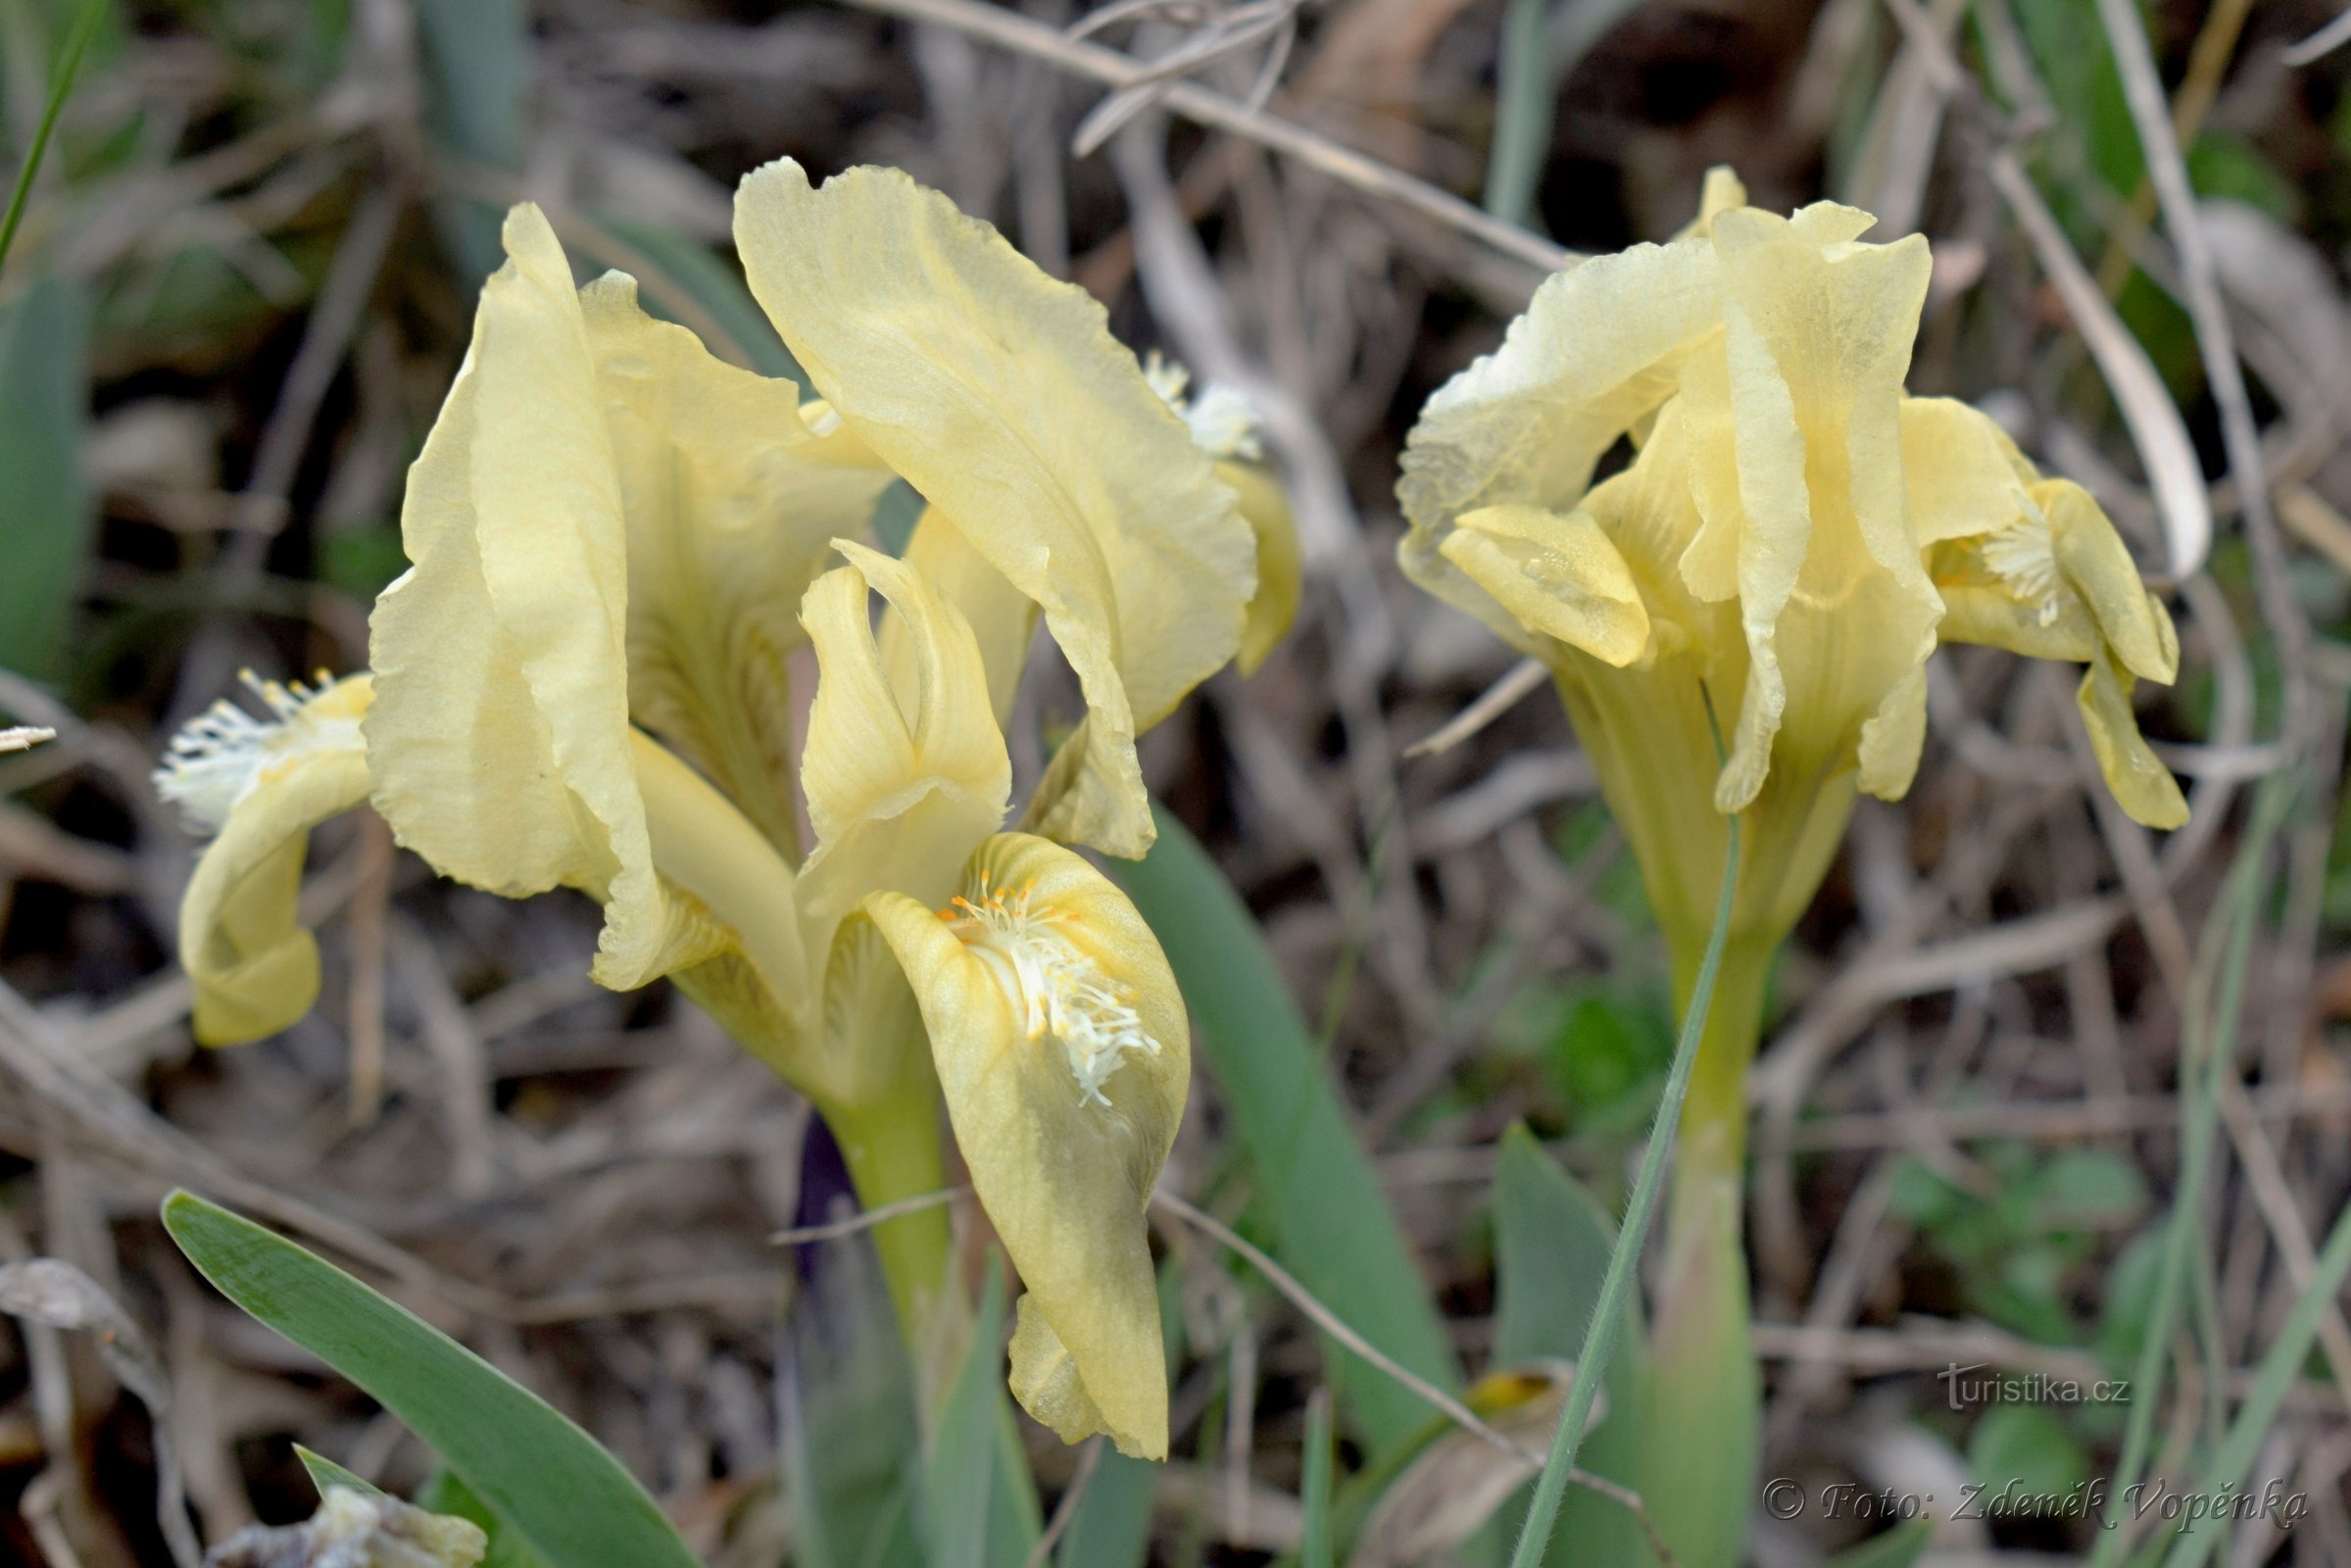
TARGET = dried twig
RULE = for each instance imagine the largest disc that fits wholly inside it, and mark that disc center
(1011, 30)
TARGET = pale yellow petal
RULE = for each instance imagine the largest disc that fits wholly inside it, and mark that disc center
(1798, 470)
(904, 776)
(1002, 397)
(2140, 783)
(1003, 619)
(731, 504)
(1063, 1050)
(2094, 562)
(500, 737)
(254, 968)
(1556, 576)
(1962, 473)
(1722, 190)
(1280, 572)
(1598, 349)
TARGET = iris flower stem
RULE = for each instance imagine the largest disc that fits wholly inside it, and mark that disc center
(894, 1151)
(1616, 1285)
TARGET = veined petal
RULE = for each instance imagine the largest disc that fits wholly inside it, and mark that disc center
(260, 786)
(905, 771)
(1601, 347)
(1063, 1052)
(1000, 394)
(1001, 618)
(1556, 576)
(731, 502)
(1722, 190)
(499, 736)
(1281, 578)
(1796, 426)
(1225, 425)
(2094, 562)
(1962, 473)
(2140, 783)
(2053, 580)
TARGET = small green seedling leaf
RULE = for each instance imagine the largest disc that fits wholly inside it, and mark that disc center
(324, 1473)
(544, 1478)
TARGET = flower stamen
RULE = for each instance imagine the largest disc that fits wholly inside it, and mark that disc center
(221, 755)
(1054, 989)
(2023, 555)
(1223, 422)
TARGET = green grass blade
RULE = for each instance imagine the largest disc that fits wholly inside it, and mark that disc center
(544, 1478)
(324, 1472)
(1553, 1240)
(1331, 1221)
(2280, 1364)
(2211, 1050)
(46, 518)
(1522, 113)
(958, 1470)
(61, 85)
(1897, 1547)
(850, 1432)
(1616, 1286)
(1112, 1525)
(1314, 1487)
(476, 60)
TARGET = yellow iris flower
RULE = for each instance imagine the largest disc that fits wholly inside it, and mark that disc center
(585, 680)
(1793, 537)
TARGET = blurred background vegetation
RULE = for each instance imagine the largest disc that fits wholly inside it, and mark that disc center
(244, 281)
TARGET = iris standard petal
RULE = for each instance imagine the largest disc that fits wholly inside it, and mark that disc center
(1598, 350)
(1795, 429)
(259, 787)
(499, 736)
(1002, 619)
(731, 502)
(1063, 1050)
(1002, 397)
(905, 771)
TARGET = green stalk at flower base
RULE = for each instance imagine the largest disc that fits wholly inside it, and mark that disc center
(893, 1152)
(1702, 1403)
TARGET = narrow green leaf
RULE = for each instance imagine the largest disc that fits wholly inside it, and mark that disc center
(61, 86)
(1331, 1221)
(1551, 1245)
(46, 518)
(1616, 1285)
(958, 1471)
(2215, 1004)
(1113, 1527)
(1315, 1486)
(1523, 113)
(2224, 1478)
(324, 1473)
(1897, 1547)
(543, 1476)
(850, 1439)
(476, 56)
